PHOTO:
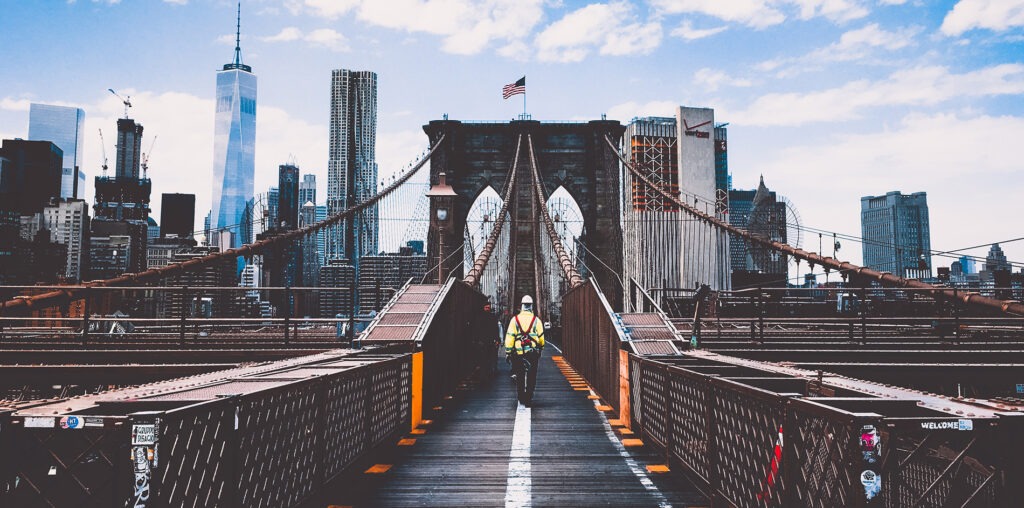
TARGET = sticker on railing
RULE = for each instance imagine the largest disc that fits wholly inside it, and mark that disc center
(39, 422)
(70, 422)
(872, 482)
(961, 424)
(143, 434)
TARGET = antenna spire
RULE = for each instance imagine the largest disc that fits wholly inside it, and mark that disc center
(238, 35)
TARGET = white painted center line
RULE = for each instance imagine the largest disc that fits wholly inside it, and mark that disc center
(517, 490)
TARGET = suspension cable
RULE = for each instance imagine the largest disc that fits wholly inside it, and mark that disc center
(1006, 306)
(473, 277)
(51, 298)
(569, 271)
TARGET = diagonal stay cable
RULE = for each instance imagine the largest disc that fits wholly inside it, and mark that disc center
(1006, 306)
(55, 297)
(473, 277)
(569, 271)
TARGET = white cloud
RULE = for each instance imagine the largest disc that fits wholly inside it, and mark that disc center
(177, 2)
(754, 13)
(996, 15)
(712, 79)
(628, 110)
(15, 104)
(286, 34)
(853, 45)
(467, 26)
(918, 86)
(327, 38)
(322, 37)
(688, 32)
(607, 27)
(966, 164)
(764, 13)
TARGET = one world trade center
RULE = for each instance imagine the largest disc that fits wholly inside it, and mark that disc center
(234, 146)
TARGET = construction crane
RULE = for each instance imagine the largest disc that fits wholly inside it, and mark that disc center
(126, 101)
(103, 147)
(145, 157)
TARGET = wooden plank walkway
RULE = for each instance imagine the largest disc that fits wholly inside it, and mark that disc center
(472, 454)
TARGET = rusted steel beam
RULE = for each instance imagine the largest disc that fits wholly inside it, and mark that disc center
(473, 277)
(147, 356)
(813, 258)
(17, 375)
(56, 297)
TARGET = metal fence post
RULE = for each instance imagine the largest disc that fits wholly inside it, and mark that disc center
(287, 311)
(864, 315)
(184, 303)
(85, 315)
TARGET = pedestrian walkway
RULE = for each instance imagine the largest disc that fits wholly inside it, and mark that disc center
(484, 449)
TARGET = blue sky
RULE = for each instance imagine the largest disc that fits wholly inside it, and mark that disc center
(829, 99)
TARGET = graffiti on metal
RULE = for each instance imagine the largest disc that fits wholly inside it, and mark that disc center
(141, 460)
(871, 453)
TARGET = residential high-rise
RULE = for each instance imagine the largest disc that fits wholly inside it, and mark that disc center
(307, 189)
(68, 222)
(351, 162)
(896, 236)
(234, 163)
(64, 127)
(177, 215)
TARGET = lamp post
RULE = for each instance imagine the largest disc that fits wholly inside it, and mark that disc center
(442, 199)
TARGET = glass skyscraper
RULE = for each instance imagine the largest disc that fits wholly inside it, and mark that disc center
(351, 163)
(63, 126)
(234, 147)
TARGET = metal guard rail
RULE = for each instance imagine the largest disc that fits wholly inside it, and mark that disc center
(1007, 306)
(52, 298)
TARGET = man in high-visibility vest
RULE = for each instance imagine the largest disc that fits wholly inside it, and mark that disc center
(524, 341)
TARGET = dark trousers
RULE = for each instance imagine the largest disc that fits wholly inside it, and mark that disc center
(525, 382)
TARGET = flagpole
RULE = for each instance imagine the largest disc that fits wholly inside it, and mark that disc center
(524, 104)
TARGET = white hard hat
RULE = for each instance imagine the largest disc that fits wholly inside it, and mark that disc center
(527, 300)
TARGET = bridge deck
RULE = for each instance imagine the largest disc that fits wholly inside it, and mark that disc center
(464, 458)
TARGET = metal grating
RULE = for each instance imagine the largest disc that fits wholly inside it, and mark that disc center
(653, 347)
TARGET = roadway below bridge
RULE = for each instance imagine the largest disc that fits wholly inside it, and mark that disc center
(481, 448)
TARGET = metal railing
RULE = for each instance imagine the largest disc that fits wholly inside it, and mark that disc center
(591, 339)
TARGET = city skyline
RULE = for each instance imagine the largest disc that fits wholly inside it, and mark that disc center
(824, 98)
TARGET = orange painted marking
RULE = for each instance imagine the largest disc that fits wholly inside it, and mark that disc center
(593, 397)
(426, 422)
(615, 423)
(379, 469)
(557, 358)
(604, 408)
(418, 432)
(632, 442)
(417, 389)
(406, 442)
(624, 431)
(657, 468)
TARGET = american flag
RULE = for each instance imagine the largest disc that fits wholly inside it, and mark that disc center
(519, 87)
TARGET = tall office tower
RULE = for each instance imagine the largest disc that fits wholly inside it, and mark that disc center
(722, 183)
(651, 227)
(705, 250)
(64, 127)
(129, 148)
(896, 236)
(234, 163)
(68, 222)
(321, 235)
(307, 189)
(310, 257)
(177, 215)
(996, 260)
(351, 163)
(288, 196)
